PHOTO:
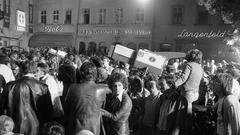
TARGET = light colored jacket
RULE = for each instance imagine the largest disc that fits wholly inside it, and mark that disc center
(190, 80)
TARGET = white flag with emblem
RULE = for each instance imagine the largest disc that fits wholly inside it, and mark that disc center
(150, 58)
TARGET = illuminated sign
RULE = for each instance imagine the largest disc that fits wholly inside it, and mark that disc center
(21, 20)
(139, 32)
(51, 28)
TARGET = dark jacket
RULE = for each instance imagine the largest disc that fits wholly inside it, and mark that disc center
(116, 122)
(66, 74)
(28, 102)
(82, 107)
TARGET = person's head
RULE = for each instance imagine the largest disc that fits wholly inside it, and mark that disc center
(102, 75)
(42, 69)
(221, 84)
(151, 83)
(14, 55)
(119, 70)
(177, 60)
(6, 124)
(105, 61)
(212, 62)
(29, 67)
(194, 55)
(136, 84)
(163, 84)
(88, 71)
(52, 128)
(4, 59)
(219, 65)
(118, 83)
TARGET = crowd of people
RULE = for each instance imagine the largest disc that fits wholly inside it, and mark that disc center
(45, 94)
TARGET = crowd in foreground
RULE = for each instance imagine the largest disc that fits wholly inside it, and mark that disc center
(44, 94)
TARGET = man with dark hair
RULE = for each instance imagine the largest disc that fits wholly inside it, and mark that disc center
(83, 102)
(66, 74)
(27, 101)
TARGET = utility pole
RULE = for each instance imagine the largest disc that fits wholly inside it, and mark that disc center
(77, 23)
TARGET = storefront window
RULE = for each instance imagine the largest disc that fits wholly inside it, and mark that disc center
(82, 48)
(102, 49)
(143, 46)
(92, 48)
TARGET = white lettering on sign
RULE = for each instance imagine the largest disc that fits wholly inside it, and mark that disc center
(114, 32)
(56, 28)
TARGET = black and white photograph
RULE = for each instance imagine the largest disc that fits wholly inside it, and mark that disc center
(119, 67)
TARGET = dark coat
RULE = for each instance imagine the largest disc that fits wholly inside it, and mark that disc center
(82, 107)
(117, 115)
(28, 102)
(66, 74)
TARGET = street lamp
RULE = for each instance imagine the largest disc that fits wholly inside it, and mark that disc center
(143, 2)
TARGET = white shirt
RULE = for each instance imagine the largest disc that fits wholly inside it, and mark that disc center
(52, 86)
(7, 73)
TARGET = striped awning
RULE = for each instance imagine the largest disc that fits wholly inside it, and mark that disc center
(51, 40)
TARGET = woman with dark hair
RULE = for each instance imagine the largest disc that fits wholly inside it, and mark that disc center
(118, 106)
(188, 84)
(228, 106)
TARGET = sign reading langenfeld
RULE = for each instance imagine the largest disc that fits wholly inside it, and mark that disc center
(206, 34)
(140, 32)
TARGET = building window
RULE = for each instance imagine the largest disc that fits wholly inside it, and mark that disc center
(140, 15)
(102, 16)
(68, 17)
(177, 14)
(55, 16)
(202, 16)
(30, 12)
(86, 16)
(119, 15)
(44, 17)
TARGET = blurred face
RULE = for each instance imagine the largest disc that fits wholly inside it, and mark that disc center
(151, 86)
(117, 88)
(6, 127)
(216, 87)
(105, 63)
(39, 73)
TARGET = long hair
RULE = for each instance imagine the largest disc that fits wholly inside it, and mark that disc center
(225, 81)
(194, 55)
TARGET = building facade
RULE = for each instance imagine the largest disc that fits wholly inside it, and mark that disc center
(92, 25)
(181, 25)
(16, 22)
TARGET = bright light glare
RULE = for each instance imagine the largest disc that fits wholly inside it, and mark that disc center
(143, 1)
